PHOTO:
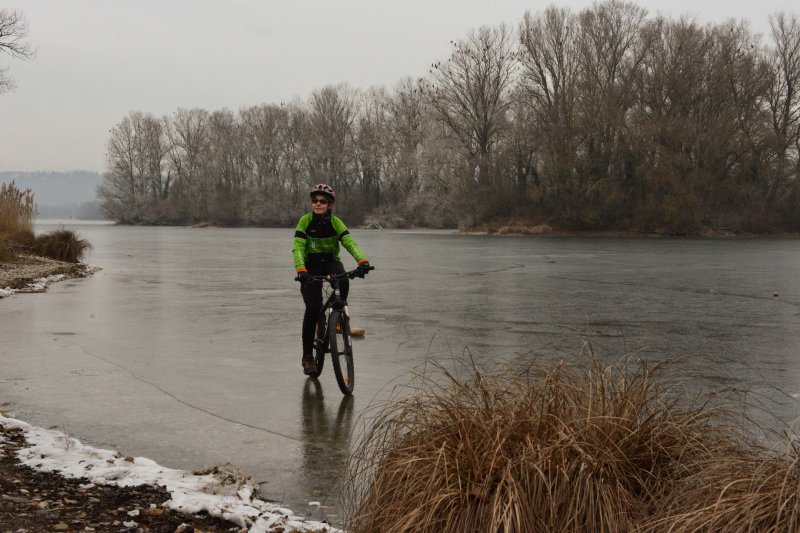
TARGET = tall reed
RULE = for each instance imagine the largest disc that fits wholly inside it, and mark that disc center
(17, 209)
(559, 447)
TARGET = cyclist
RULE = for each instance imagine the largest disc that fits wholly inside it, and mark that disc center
(316, 253)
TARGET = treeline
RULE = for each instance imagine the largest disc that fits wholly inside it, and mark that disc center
(603, 119)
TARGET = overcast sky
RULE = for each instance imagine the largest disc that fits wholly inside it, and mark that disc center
(100, 59)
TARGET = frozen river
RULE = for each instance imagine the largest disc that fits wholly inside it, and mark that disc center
(185, 347)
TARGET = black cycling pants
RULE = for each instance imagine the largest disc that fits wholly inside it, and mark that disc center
(312, 296)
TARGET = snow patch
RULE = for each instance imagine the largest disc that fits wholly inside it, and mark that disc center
(41, 284)
(218, 494)
(37, 285)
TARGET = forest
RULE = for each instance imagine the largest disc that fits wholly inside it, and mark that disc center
(604, 119)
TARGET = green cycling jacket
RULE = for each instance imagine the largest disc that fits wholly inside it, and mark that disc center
(317, 238)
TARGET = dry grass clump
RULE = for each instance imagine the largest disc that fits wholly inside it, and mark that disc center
(17, 209)
(24, 237)
(558, 448)
(63, 245)
(520, 228)
(6, 251)
(745, 492)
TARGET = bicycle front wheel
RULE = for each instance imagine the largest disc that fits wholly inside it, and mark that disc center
(341, 351)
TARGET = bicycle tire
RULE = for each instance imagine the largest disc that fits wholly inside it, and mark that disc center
(341, 351)
(320, 346)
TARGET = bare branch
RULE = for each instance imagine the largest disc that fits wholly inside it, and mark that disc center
(13, 34)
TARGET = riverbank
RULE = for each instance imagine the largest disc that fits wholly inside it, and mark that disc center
(527, 229)
(33, 501)
(50, 482)
(33, 273)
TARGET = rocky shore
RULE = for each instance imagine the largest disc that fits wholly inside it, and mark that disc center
(32, 273)
(34, 502)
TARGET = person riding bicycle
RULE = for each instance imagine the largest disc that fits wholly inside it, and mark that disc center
(316, 253)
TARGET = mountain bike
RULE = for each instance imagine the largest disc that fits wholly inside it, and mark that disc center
(333, 333)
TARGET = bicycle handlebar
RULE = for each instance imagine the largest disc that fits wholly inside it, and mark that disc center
(330, 277)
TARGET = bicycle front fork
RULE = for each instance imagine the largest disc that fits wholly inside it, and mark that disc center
(324, 319)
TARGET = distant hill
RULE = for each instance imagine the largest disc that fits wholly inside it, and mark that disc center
(60, 194)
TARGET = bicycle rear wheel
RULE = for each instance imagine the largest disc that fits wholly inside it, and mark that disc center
(320, 346)
(341, 351)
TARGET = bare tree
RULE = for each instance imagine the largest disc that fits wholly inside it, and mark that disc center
(153, 148)
(187, 159)
(731, 152)
(121, 200)
(611, 49)
(371, 143)
(601, 119)
(295, 141)
(550, 70)
(523, 146)
(226, 169)
(332, 113)
(13, 34)
(670, 122)
(133, 184)
(471, 93)
(784, 93)
(263, 129)
(407, 129)
(264, 133)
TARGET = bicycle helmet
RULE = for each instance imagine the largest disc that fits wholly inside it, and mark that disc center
(321, 188)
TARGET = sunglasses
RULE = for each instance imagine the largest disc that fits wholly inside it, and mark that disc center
(322, 201)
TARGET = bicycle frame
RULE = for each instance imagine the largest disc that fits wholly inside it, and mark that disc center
(334, 300)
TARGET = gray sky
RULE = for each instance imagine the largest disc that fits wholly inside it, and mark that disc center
(100, 59)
